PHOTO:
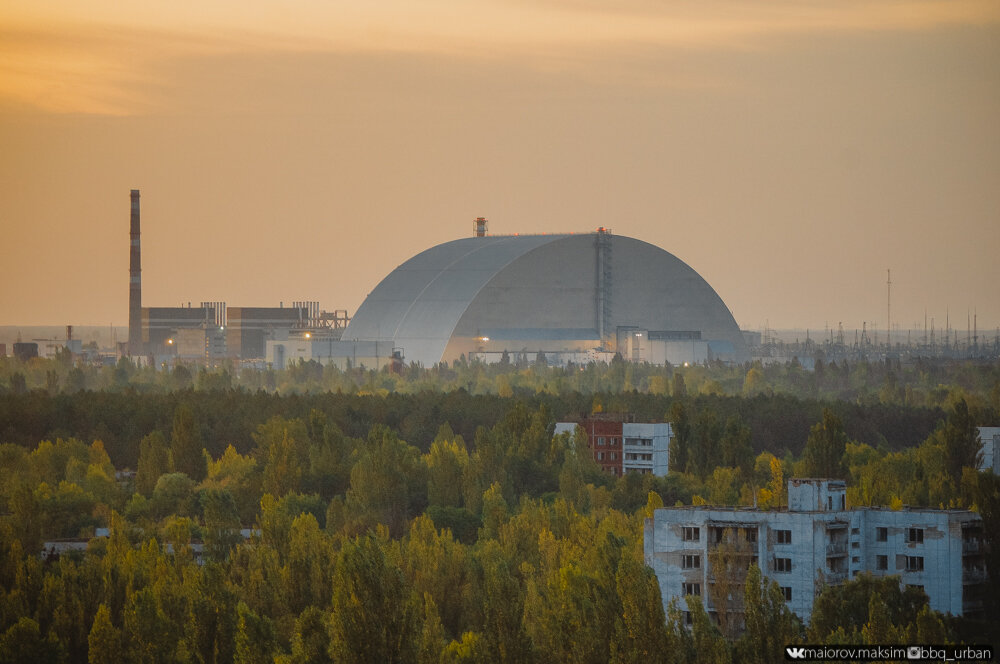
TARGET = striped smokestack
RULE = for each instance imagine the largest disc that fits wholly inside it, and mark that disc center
(134, 282)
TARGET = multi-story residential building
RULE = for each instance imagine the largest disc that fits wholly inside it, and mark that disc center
(819, 541)
(622, 446)
(990, 439)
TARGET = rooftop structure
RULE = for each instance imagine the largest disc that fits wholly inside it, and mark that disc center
(818, 541)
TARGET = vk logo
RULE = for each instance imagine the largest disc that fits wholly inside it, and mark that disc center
(795, 653)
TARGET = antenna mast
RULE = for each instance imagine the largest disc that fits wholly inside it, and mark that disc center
(888, 308)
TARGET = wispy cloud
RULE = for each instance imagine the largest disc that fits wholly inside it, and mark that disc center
(94, 58)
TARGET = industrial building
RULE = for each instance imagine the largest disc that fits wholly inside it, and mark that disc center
(620, 445)
(248, 328)
(817, 540)
(210, 332)
(562, 295)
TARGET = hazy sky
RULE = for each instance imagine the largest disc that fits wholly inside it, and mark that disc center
(789, 151)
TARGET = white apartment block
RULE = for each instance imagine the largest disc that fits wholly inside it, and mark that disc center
(645, 447)
(990, 439)
(818, 541)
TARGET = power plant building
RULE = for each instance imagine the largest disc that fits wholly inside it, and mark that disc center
(561, 295)
(248, 328)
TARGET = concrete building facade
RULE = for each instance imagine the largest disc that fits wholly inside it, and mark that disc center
(818, 541)
(989, 437)
(620, 446)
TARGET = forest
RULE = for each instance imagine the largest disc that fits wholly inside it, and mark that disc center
(317, 515)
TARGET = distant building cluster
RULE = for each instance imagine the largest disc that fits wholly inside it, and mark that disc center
(621, 445)
(563, 297)
(818, 540)
(211, 332)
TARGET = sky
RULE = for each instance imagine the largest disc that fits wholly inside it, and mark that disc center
(789, 151)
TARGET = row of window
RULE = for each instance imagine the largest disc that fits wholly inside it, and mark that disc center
(695, 589)
(913, 535)
(632, 456)
(913, 563)
(607, 442)
(607, 456)
(644, 442)
(691, 533)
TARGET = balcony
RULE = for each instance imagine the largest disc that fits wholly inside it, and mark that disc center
(836, 549)
(973, 575)
(971, 546)
(835, 578)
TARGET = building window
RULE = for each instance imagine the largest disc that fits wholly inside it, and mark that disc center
(915, 535)
(600, 456)
(854, 531)
(914, 563)
(881, 562)
(855, 545)
(692, 589)
(782, 564)
(600, 441)
(855, 559)
(751, 535)
(881, 534)
(784, 536)
(692, 533)
(691, 561)
(687, 618)
(787, 592)
(614, 456)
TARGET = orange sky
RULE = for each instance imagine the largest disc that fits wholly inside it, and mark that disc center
(788, 151)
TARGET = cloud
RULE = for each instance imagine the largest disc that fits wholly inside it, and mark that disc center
(95, 59)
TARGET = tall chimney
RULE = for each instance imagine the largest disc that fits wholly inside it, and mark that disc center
(134, 282)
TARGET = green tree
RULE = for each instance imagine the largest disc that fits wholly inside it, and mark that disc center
(678, 389)
(961, 442)
(446, 464)
(375, 618)
(154, 460)
(640, 633)
(186, 446)
(432, 639)
(23, 643)
(311, 640)
(705, 448)
(148, 634)
(104, 642)
(255, 637)
(222, 523)
(770, 625)
(503, 635)
(561, 617)
(388, 477)
(735, 446)
(680, 443)
(824, 452)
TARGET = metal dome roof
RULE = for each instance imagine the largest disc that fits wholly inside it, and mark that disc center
(537, 286)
